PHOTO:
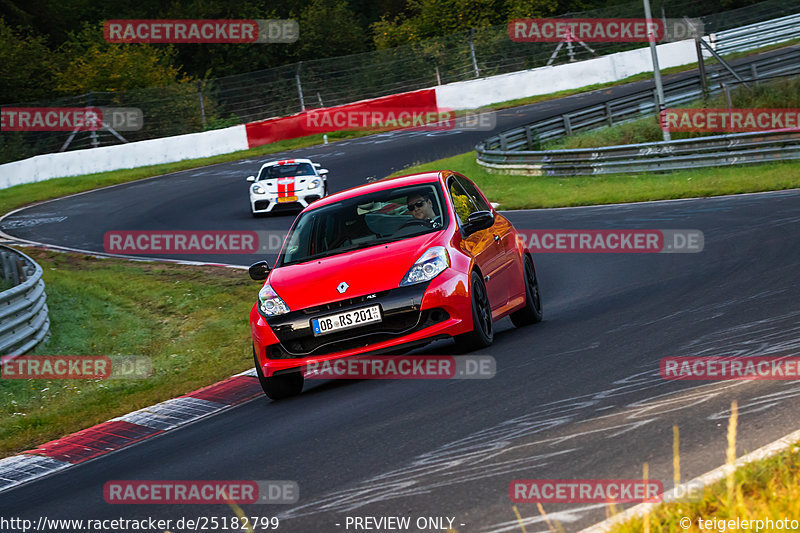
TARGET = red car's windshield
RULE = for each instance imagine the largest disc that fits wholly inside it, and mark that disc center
(368, 220)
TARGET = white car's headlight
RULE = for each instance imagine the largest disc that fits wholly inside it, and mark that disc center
(270, 303)
(313, 184)
(428, 266)
(258, 189)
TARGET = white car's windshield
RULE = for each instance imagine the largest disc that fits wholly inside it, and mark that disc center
(288, 170)
(364, 221)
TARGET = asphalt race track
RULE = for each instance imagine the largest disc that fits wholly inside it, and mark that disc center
(578, 396)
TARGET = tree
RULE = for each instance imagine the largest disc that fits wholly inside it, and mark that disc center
(531, 8)
(329, 28)
(26, 64)
(96, 65)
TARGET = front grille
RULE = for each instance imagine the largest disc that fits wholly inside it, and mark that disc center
(333, 306)
(263, 204)
(390, 328)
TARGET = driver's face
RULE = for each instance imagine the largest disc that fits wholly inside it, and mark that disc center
(422, 208)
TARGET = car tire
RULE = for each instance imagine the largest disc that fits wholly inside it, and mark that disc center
(532, 312)
(279, 387)
(482, 334)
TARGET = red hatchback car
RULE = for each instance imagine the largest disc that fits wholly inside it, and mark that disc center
(386, 267)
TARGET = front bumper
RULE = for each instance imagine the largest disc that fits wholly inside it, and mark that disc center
(267, 203)
(412, 316)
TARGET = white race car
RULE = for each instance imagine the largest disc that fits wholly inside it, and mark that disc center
(287, 184)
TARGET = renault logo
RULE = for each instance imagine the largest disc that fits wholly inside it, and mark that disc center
(342, 287)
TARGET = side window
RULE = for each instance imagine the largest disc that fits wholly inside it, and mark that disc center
(473, 193)
(463, 204)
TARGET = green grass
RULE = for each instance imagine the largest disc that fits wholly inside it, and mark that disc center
(766, 488)
(528, 192)
(784, 93)
(191, 321)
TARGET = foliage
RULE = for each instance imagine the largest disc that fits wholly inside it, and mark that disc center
(25, 65)
(219, 123)
(96, 65)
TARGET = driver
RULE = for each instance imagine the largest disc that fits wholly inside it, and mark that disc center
(421, 208)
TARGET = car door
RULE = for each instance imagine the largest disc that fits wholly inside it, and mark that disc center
(480, 245)
(502, 233)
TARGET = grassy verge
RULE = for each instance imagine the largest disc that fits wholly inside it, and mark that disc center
(529, 192)
(764, 489)
(191, 321)
(769, 488)
(25, 194)
(782, 93)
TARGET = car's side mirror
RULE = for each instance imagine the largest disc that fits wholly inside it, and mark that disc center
(251, 178)
(322, 171)
(259, 271)
(479, 220)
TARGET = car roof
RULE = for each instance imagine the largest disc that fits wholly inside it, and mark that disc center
(383, 184)
(285, 162)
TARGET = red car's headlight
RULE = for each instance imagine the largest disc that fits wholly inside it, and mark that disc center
(269, 303)
(428, 266)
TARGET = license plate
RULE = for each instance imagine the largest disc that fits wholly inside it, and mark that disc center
(346, 320)
(287, 199)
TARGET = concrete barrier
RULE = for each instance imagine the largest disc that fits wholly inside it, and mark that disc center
(294, 126)
(130, 155)
(544, 80)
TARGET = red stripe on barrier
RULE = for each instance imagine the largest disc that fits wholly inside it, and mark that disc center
(231, 391)
(94, 441)
(278, 129)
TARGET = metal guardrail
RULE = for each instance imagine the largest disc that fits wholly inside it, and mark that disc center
(636, 105)
(756, 35)
(738, 148)
(520, 146)
(24, 320)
